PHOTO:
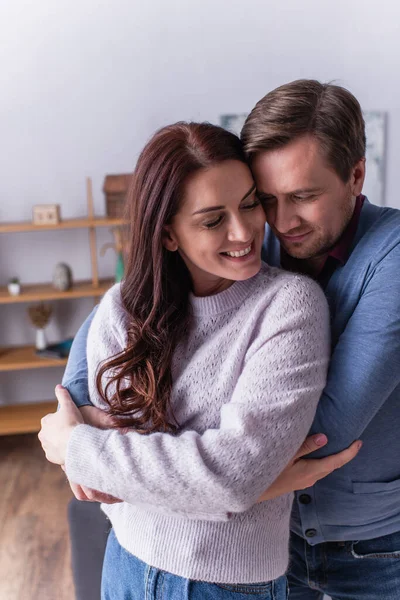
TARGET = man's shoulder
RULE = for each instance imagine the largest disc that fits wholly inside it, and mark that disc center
(379, 219)
(378, 233)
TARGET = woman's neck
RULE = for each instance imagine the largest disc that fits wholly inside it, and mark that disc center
(210, 288)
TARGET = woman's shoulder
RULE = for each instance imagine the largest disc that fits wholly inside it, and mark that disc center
(288, 290)
(110, 306)
(111, 314)
(112, 298)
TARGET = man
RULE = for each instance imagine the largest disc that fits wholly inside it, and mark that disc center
(306, 146)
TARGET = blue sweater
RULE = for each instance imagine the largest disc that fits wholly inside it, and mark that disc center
(362, 395)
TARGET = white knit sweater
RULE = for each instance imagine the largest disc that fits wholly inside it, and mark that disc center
(246, 382)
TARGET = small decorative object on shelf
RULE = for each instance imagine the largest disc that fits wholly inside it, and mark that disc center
(39, 315)
(46, 214)
(14, 286)
(118, 246)
(59, 350)
(62, 277)
(115, 188)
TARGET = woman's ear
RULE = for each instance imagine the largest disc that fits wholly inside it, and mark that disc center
(168, 239)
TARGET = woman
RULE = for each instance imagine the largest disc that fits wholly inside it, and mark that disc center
(215, 363)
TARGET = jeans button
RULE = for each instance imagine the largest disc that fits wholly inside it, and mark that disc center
(304, 499)
(310, 533)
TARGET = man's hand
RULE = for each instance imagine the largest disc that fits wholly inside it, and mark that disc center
(57, 427)
(303, 473)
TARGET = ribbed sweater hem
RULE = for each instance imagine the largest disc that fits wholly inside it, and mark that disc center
(225, 552)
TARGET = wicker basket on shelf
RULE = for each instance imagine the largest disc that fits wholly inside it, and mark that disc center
(115, 188)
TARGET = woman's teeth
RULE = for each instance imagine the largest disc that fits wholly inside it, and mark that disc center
(240, 253)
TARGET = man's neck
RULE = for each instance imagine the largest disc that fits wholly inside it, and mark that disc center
(309, 266)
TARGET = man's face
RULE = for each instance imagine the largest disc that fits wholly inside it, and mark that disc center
(306, 203)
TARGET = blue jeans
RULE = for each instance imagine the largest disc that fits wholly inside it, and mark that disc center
(361, 570)
(125, 577)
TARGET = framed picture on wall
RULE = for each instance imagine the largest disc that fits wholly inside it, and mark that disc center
(375, 127)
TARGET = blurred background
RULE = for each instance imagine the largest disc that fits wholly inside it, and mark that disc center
(85, 84)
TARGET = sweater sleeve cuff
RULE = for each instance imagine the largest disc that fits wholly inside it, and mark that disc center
(83, 450)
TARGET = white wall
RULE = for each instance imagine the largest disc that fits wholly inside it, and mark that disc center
(84, 84)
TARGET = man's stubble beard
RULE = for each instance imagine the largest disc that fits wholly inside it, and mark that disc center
(323, 243)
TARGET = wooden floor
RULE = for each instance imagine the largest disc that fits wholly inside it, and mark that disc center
(34, 542)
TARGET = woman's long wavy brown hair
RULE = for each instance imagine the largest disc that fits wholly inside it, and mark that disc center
(156, 286)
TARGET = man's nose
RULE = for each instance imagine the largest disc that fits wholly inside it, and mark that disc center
(283, 217)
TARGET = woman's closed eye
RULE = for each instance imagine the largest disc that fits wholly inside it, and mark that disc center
(214, 223)
(256, 202)
(217, 221)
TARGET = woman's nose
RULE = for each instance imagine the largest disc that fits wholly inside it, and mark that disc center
(240, 231)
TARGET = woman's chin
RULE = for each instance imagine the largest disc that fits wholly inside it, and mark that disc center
(246, 272)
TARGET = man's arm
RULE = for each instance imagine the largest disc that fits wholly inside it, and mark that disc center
(365, 366)
(75, 378)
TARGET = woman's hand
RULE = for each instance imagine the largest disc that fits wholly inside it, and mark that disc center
(96, 417)
(303, 473)
(57, 427)
(85, 494)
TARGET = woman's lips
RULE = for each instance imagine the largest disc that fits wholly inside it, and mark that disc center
(241, 258)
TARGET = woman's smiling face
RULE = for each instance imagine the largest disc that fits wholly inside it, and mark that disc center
(219, 227)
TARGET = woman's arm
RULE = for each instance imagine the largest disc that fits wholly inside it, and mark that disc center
(261, 428)
(297, 475)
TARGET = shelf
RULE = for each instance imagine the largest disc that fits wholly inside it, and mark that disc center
(15, 358)
(24, 418)
(45, 291)
(65, 224)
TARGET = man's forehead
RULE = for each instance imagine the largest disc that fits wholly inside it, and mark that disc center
(287, 181)
(290, 169)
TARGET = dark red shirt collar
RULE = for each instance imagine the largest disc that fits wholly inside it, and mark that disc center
(341, 250)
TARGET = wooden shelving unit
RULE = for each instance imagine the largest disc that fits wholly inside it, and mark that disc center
(85, 223)
(45, 291)
(17, 358)
(25, 418)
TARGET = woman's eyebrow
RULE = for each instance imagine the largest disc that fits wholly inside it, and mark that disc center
(251, 190)
(211, 208)
(207, 209)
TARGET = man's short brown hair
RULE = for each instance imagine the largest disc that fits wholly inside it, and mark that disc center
(328, 112)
